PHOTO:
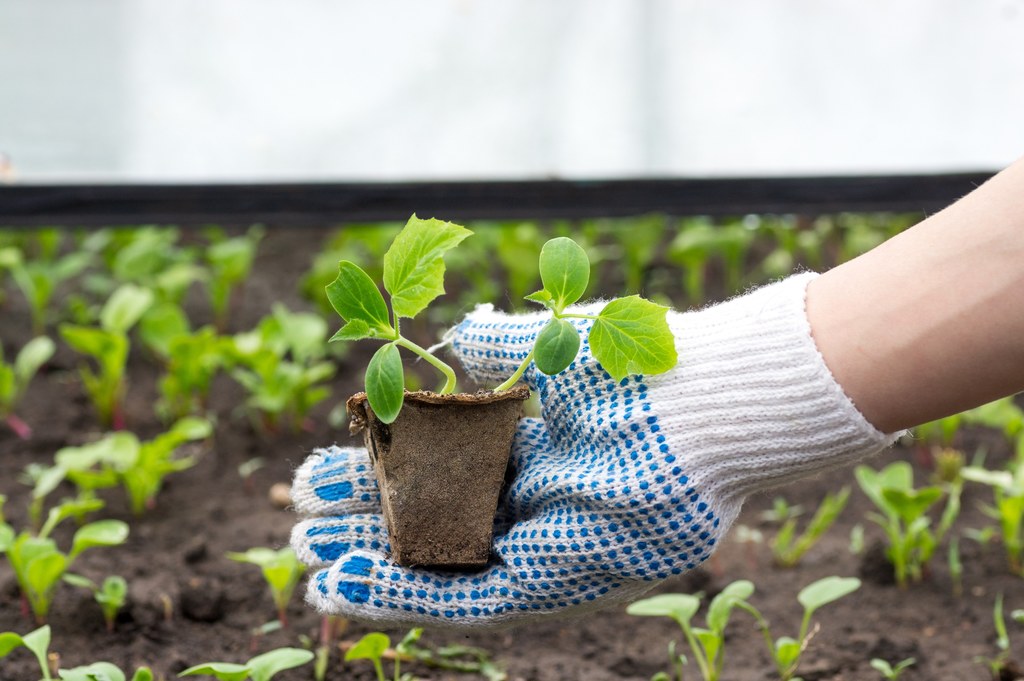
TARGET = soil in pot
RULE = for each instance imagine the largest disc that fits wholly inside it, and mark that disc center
(440, 467)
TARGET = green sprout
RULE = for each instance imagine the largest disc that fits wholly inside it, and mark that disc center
(786, 651)
(1008, 509)
(890, 672)
(111, 594)
(37, 562)
(376, 647)
(38, 278)
(230, 261)
(788, 548)
(140, 467)
(629, 335)
(996, 664)
(912, 542)
(14, 379)
(37, 642)
(281, 570)
(707, 644)
(103, 671)
(260, 668)
(108, 346)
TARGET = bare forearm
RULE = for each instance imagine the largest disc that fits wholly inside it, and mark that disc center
(932, 321)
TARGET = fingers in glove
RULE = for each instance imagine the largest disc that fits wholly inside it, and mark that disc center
(335, 481)
(319, 542)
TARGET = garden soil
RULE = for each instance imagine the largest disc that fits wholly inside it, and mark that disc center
(190, 604)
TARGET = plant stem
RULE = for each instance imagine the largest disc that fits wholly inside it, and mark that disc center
(566, 315)
(449, 373)
(518, 373)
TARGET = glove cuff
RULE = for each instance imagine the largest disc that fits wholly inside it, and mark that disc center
(760, 407)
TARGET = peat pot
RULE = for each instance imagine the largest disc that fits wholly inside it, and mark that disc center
(440, 468)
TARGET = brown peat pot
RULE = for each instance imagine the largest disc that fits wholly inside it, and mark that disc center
(440, 468)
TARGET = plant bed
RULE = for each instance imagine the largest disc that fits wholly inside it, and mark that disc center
(440, 466)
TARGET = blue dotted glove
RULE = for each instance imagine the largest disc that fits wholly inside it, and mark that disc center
(618, 486)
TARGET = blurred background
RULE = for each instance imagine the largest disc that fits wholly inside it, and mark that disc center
(198, 91)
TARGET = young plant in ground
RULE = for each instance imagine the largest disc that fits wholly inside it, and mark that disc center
(260, 668)
(37, 642)
(1008, 509)
(39, 277)
(229, 262)
(37, 562)
(376, 647)
(281, 365)
(14, 379)
(786, 651)
(788, 548)
(281, 570)
(108, 346)
(103, 671)
(890, 672)
(140, 467)
(111, 594)
(150, 257)
(912, 543)
(997, 664)
(707, 645)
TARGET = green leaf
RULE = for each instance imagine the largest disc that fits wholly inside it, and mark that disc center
(556, 346)
(414, 265)
(161, 325)
(631, 336)
(8, 642)
(358, 300)
(6, 537)
(80, 581)
(369, 647)
(38, 641)
(723, 603)
(264, 667)
(124, 307)
(225, 671)
(824, 591)
(385, 383)
(97, 671)
(911, 504)
(564, 271)
(680, 607)
(34, 355)
(99, 533)
(191, 428)
(43, 571)
(787, 652)
(542, 297)
(143, 674)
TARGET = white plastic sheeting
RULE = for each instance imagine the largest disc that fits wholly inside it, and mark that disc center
(228, 90)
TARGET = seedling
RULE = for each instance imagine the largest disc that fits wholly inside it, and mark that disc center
(151, 258)
(629, 335)
(707, 645)
(111, 594)
(140, 467)
(890, 672)
(260, 668)
(37, 562)
(230, 261)
(998, 663)
(281, 365)
(1008, 509)
(103, 671)
(376, 647)
(786, 651)
(14, 379)
(37, 642)
(38, 278)
(281, 570)
(108, 347)
(904, 518)
(788, 549)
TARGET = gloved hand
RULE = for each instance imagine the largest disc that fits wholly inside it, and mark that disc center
(619, 486)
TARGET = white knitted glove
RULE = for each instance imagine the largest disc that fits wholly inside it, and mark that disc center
(619, 486)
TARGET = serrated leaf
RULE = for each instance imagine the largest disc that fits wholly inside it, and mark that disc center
(385, 383)
(355, 297)
(414, 265)
(631, 336)
(564, 271)
(556, 346)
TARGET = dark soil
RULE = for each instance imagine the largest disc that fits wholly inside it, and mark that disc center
(189, 604)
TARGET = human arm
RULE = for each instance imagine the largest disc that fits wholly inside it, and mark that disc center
(931, 322)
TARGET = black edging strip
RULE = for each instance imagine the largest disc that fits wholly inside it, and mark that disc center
(327, 204)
